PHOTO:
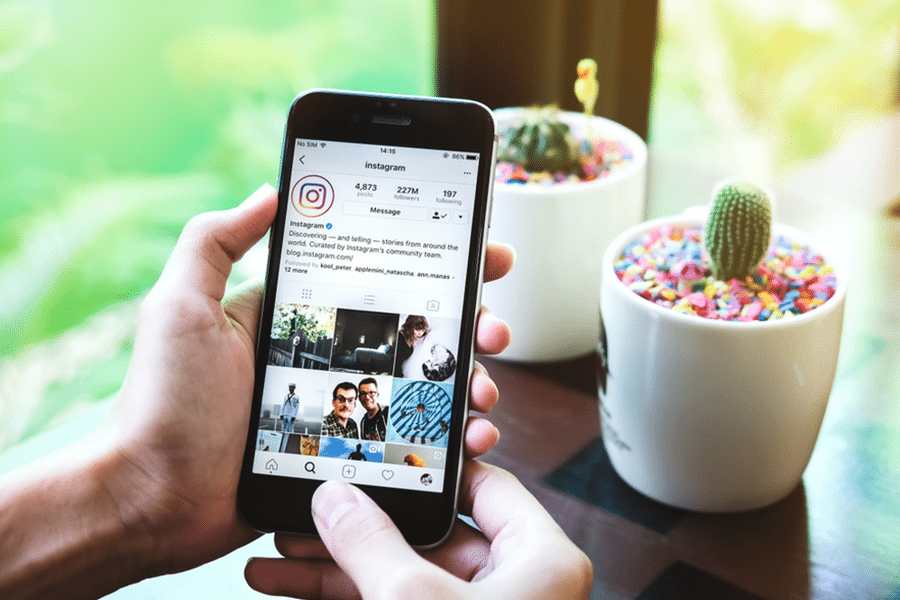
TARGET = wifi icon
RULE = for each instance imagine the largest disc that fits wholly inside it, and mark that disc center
(324, 144)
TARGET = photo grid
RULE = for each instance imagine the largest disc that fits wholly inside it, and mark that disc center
(359, 385)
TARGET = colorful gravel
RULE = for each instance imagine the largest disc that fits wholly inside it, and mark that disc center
(669, 266)
(598, 160)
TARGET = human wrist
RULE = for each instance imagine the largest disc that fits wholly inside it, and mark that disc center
(63, 532)
(155, 518)
(132, 498)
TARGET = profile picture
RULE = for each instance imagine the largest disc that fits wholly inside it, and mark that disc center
(302, 336)
(312, 196)
(364, 342)
(426, 348)
(351, 449)
(293, 401)
(420, 413)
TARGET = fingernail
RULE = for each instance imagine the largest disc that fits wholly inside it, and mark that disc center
(260, 584)
(512, 251)
(492, 317)
(331, 502)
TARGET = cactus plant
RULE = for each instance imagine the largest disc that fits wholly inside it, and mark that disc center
(738, 230)
(541, 143)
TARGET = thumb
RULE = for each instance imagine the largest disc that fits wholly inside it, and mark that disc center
(365, 543)
(211, 242)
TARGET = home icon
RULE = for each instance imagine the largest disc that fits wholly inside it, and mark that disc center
(271, 465)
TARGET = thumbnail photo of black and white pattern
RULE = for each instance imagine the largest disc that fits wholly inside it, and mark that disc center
(420, 413)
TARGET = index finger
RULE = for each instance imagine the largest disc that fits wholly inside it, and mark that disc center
(523, 536)
(498, 501)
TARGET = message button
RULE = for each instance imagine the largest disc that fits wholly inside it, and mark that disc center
(388, 211)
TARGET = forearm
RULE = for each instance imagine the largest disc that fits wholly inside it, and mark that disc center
(63, 531)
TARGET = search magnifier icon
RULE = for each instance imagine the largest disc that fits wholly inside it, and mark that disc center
(310, 467)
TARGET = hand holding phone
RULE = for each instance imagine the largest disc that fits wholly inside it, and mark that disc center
(158, 493)
(519, 552)
(367, 328)
(187, 395)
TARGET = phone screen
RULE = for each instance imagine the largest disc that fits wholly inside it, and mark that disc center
(365, 340)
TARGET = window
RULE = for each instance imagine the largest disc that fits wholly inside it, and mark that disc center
(118, 121)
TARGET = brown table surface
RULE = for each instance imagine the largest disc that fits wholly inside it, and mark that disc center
(837, 536)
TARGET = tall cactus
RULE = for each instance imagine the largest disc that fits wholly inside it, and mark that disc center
(738, 230)
(541, 143)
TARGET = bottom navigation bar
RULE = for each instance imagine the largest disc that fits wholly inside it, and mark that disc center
(357, 472)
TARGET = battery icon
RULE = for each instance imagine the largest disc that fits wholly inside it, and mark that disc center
(471, 157)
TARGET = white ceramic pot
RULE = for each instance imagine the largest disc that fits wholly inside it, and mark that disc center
(551, 299)
(711, 415)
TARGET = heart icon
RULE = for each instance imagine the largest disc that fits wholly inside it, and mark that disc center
(387, 474)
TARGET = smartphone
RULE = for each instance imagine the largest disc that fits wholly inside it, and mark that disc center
(365, 343)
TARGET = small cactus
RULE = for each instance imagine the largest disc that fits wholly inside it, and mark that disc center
(541, 143)
(738, 230)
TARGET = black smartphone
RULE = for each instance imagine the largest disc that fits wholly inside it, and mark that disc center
(365, 343)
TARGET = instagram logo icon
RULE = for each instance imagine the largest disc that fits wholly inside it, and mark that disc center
(312, 196)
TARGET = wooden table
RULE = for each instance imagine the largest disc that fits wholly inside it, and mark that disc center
(836, 536)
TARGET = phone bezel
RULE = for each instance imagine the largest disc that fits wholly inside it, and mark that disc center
(425, 518)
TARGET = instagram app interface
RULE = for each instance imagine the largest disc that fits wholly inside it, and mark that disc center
(364, 342)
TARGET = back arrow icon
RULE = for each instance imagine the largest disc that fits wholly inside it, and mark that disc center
(302, 156)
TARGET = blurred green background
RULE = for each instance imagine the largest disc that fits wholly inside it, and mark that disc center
(118, 121)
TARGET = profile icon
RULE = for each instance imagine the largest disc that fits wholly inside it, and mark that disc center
(312, 196)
